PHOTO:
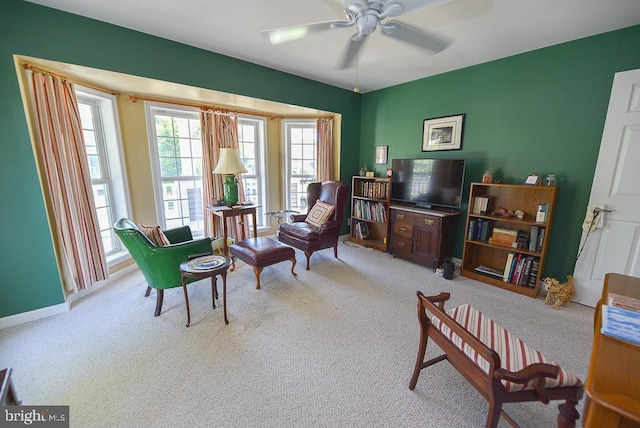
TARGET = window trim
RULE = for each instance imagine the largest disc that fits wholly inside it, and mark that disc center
(112, 159)
(260, 124)
(286, 125)
(151, 108)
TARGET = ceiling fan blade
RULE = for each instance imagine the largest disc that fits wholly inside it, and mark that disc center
(411, 5)
(288, 34)
(407, 34)
(350, 52)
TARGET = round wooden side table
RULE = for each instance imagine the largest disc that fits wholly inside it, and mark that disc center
(209, 266)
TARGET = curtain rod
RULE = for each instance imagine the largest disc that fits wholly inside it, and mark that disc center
(222, 110)
(63, 77)
(214, 108)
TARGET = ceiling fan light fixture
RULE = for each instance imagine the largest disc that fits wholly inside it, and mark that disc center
(367, 23)
(290, 34)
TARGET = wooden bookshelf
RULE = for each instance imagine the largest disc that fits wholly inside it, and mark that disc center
(483, 250)
(370, 211)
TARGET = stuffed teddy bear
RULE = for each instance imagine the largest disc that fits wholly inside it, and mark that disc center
(560, 292)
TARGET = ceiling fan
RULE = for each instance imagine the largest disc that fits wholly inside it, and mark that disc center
(367, 15)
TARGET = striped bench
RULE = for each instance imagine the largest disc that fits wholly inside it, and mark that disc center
(500, 366)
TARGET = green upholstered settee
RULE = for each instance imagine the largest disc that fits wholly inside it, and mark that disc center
(160, 265)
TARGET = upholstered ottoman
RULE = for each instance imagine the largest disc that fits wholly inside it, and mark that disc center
(262, 252)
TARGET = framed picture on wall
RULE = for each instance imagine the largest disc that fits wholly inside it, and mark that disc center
(442, 133)
(381, 154)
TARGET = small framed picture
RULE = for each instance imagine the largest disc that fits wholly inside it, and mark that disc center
(533, 180)
(381, 154)
(369, 174)
(442, 133)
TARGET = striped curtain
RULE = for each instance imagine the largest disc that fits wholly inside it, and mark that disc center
(219, 130)
(325, 149)
(63, 158)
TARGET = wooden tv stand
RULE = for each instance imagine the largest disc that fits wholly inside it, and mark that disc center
(420, 235)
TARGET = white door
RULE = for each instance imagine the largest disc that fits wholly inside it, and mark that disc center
(615, 245)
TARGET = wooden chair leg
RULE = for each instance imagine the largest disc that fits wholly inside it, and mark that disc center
(493, 416)
(146, 294)
(308, 254)
(335, 251)
(293, 266)
(419, 360)
(159, 302)
(257, 272)
(568, 414)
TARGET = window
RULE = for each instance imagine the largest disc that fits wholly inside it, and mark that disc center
(300, 139)
(98, 116)
(176, 148)
(251, 140)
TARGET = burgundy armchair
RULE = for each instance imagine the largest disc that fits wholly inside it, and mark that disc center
(309, 238)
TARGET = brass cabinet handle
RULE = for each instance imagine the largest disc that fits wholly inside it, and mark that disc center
(428, 222)
(403, 229)
(400, 216)
(400, 244)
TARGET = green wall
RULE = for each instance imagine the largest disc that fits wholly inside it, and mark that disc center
(539, 112)
(30, 277)
(542, 112)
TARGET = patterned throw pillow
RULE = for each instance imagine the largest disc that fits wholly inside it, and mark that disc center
(320, 213)
(155, 235)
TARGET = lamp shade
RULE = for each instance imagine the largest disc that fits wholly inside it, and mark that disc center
(229, 162)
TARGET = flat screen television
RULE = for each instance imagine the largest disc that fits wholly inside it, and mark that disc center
(428, 183)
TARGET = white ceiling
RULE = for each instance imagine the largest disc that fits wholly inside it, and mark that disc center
(478, 30)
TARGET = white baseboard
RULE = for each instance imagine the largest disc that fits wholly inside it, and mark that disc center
(37, 314)
(112, 277)
(62, 307)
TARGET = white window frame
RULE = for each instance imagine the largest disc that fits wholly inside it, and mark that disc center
(109, 145)
(152, 108)
(299, 204)
(260, 126)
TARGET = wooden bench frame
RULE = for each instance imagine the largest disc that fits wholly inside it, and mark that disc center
(489, 385)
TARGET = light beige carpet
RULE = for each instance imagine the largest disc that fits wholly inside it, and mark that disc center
(334, 347)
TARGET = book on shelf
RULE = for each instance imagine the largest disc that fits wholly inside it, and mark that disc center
(624, 302)
(535, 266)
(495, 273)
(540, 242)
(517, 269)
(361, 230)
(521, 269)
(374, 189)
(471, 233)
(487, 227)
(507, 267)
(522, 240)
(533, 238)
(369, 210)
(542, 213)
(481, 205)
(621, 323)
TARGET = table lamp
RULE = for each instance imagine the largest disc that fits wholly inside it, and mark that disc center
(230, 164)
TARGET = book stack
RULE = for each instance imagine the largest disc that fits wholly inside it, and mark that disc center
(377, 190)
(521, 270)
(495, 273)
(479, 229)
(481, 205)
(621, 318)
(370, 211)
(360, 230)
